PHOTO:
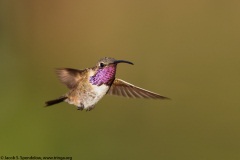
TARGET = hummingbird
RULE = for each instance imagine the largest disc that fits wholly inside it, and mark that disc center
(88, 86)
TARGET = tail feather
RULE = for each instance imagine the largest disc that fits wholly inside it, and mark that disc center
(55, 101)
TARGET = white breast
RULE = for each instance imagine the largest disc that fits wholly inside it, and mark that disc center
(96, 95)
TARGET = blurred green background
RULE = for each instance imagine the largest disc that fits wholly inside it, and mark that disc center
(187, 50)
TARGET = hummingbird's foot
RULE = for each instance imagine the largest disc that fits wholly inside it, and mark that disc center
(81, 107)
(89, 108)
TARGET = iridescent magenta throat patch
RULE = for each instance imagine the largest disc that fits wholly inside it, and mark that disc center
(103, 76)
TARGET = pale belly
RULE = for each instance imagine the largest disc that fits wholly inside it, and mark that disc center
(93, 97)
(87, 96)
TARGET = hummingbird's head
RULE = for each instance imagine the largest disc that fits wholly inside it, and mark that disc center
(105, 71)
(107, 61)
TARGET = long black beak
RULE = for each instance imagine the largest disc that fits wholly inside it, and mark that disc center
(122, 61)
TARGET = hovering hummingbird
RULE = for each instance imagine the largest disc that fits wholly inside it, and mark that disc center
(88, 86)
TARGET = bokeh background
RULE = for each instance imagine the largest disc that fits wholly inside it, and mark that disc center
(187, 50)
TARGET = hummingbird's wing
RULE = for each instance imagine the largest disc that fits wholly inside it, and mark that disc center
(122, 88)
(69, 76)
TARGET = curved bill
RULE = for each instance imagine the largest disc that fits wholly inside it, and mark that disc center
(122, 61)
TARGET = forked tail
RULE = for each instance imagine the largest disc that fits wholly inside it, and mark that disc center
(55, 101)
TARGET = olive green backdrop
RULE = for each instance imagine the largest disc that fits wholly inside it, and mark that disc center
(187, 50)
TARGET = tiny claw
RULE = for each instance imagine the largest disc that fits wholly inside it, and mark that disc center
(81, 107)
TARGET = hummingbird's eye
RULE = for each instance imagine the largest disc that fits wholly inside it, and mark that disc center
(101, 65)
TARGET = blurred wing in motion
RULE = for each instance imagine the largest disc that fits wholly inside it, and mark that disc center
(69, 76)
(122, 88)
